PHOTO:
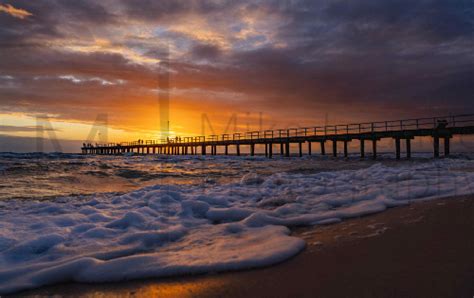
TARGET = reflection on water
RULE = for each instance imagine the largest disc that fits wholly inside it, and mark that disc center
(173, 287)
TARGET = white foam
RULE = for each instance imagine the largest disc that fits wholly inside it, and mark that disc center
(169, 230)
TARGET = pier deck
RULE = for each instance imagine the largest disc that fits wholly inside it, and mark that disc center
(438, 128)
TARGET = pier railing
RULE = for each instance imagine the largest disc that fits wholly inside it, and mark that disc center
(315, 131)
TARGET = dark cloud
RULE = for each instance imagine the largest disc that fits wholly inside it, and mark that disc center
(52, 20)
(205, 51)
(165, 9)
(441, 18)
(401, 56)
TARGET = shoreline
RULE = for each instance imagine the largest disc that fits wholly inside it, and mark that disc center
(419, 250)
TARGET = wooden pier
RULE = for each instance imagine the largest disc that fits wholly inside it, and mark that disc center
(440, 129)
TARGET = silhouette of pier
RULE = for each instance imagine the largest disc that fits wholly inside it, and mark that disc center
(279, 141)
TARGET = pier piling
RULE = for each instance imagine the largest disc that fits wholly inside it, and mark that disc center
(374, 149)
(436, 127)
(397, 148)
(446, 146)
(436, 146)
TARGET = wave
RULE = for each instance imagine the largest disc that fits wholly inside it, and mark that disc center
(167, 230)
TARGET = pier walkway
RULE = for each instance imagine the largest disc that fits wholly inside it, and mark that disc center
(440, 129)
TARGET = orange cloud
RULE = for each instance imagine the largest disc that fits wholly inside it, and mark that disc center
(15, 12)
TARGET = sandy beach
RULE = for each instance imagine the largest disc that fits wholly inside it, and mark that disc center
(420, 250)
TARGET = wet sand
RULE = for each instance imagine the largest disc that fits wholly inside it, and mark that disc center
(422, 250)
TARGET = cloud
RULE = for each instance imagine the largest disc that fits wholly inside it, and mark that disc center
(80, 80)
(156, 11)
(205, 51)
(294, 59)
(15, 12)
(12, 128)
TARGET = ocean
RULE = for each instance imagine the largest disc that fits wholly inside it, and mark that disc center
(69, 217)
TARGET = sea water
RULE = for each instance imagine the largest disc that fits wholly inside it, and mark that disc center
(66, 217)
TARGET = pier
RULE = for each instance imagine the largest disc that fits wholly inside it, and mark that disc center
(318, 138)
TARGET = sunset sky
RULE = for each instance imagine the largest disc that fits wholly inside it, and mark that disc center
(268, 64)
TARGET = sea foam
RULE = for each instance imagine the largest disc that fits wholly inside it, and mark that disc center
(167, 230)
